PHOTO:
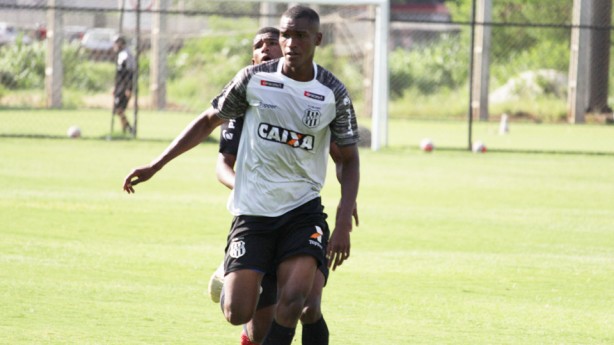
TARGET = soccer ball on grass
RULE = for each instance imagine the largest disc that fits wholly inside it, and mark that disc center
(74, 132)
(427, 145)
(479, 147)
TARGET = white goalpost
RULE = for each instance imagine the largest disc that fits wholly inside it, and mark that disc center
(380, 82)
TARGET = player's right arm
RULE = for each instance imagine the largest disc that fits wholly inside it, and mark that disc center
(197, 131)
(224, 107)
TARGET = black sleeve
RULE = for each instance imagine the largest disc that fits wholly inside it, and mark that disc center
(232, 102)
(230, 135)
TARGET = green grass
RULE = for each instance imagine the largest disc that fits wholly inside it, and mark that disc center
(522, 136)
(453, 247)
(406, 133)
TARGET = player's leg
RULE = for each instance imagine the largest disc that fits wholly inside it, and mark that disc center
(249, 253)
(295, 278)
(299, 251)
(315, 330)
(121, 103)
(241, 290)
(257, 328)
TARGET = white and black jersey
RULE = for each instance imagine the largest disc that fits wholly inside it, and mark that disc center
(125, 68)
(284, 146)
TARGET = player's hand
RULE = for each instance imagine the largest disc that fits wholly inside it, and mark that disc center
(128, 93)
(137, 176)
(338, 248)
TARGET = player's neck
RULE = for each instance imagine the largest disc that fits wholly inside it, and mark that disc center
(302, 73)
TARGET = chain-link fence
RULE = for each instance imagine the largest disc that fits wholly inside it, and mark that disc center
(187, 50)
(526, 82)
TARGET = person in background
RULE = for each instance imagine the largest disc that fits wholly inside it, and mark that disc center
(124, 73)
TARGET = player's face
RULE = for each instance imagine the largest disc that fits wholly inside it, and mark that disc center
(266, 47)
(298, 39)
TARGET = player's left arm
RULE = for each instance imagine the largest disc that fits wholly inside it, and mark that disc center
(335, 154)
(338, 249)
(224, 169)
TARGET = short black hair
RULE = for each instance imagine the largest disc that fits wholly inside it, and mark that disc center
(268, 30)
(300, 11)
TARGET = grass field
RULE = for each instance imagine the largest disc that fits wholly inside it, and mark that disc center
(453, 247)
(403, 133)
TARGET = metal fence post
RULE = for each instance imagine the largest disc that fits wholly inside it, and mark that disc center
(578, 64)
(53, 60)
(159, 51)
(481, 54)
(471, 48)
(136, 73)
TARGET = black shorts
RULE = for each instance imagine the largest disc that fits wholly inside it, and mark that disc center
(120, 102)
(262, 243)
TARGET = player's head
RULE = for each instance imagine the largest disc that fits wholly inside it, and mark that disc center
(266, 45)
(119, 43)
(299, 34)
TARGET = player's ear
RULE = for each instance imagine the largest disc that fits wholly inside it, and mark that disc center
(318, 38)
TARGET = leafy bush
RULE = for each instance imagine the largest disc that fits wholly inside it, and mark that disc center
(518, 61)
(440, 65)
(344, 69)
(22, 65)
(213, 59)
(83, 74)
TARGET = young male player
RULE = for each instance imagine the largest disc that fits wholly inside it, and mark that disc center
(265, 47)
(315, 330)
(291, 107)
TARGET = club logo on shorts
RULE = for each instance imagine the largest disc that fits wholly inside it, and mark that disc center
(236, 249)
(316, 238)
(311, 118)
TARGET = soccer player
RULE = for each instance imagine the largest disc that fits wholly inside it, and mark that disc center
(265, 47)
(291, 108)
(124, 73)
(315, 330)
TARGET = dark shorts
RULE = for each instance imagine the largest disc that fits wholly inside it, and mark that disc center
(120, 102)
(262, 243)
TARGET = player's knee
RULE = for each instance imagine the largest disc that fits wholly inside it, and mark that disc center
(311, 313)
(291, 307)
(236, 319)
(236, 316)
